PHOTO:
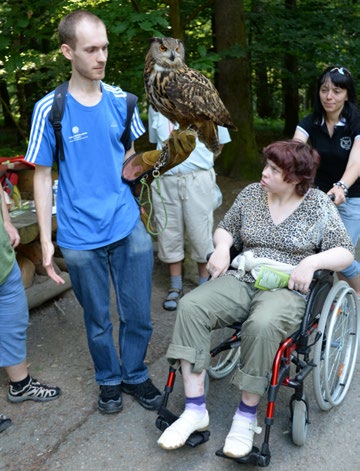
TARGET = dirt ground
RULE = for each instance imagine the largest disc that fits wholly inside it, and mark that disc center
(69, 434)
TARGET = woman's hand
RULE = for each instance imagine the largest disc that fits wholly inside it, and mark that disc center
(339, 194)
(302, 276)
(219, 262)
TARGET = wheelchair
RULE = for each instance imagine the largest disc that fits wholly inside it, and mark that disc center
(326, 344)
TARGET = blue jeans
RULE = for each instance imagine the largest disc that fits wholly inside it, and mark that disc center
(350, 215)
(129, 262)
(14, 317)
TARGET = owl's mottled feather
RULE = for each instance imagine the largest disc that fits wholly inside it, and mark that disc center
(182, 94)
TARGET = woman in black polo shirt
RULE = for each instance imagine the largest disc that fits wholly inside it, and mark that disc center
(334, 131)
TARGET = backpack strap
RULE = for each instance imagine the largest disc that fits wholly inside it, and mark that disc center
(55, 117)
(131, 101)
(57, 112)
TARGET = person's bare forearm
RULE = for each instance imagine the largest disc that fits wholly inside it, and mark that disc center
(11, 230)
(5, 211)
(43, 204)
(43, 201)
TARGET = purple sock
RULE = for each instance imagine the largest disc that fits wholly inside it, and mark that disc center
(247, 411)
(195, 403)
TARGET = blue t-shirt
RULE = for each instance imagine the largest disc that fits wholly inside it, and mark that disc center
(94, 206)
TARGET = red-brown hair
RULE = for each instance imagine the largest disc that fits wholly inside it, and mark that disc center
(297, 160)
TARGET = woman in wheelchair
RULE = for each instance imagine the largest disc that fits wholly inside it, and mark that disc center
(283, 222)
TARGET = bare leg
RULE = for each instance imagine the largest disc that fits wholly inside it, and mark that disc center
(190, 420)
(175, 291)
(18, 372)
(250, 399)
(202, 270)
(193, 382)
(175, 269)
(203, 273)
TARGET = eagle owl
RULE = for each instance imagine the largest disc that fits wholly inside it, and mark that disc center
(183, 95)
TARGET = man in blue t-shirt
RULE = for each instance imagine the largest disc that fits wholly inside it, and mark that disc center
(100, 232)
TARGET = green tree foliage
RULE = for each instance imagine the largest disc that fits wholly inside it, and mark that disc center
(33, 64)
(313, 33)
(288, 43)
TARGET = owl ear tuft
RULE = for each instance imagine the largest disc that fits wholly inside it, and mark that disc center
(154, 39)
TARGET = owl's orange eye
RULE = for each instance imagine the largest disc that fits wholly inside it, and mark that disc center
(177, 49)
(162, 48)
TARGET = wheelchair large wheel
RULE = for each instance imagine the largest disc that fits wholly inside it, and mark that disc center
(300, 421)
(336, 350)
(224, 362)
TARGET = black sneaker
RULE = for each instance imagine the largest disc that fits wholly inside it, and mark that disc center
(146, 394)
(110, 400)
(33, 391)
(5, 422)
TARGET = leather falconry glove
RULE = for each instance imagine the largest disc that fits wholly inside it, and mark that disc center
(151, 164)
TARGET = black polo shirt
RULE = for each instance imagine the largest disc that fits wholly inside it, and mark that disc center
(334, 151)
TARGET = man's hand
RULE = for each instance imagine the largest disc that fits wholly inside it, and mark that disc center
(48, 252)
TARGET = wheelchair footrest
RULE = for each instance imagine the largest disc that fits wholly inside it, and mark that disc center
(166, 418)
(254, 458)
(197, 438)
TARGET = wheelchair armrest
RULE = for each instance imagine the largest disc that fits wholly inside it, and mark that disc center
(321, 274)
(320, 278)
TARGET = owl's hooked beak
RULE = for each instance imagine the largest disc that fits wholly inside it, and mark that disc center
(172, 56)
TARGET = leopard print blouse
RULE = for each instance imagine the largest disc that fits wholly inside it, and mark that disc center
(315, 226)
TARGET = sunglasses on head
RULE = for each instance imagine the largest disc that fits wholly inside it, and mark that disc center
(341, 70)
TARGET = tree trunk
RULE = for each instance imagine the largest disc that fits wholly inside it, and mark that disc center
(290, 87)
(261, 86)
(240, 157)
(291, 96)
(5, 102)
(264, 100)
(175, 20)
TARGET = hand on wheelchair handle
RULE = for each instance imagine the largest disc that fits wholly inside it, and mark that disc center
(337, 197)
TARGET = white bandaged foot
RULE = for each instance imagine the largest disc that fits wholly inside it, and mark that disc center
(239, 441)
(178, 432)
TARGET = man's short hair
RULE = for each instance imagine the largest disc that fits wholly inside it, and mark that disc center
(67, 26)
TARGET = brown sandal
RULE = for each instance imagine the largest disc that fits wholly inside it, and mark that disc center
(170, 302)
